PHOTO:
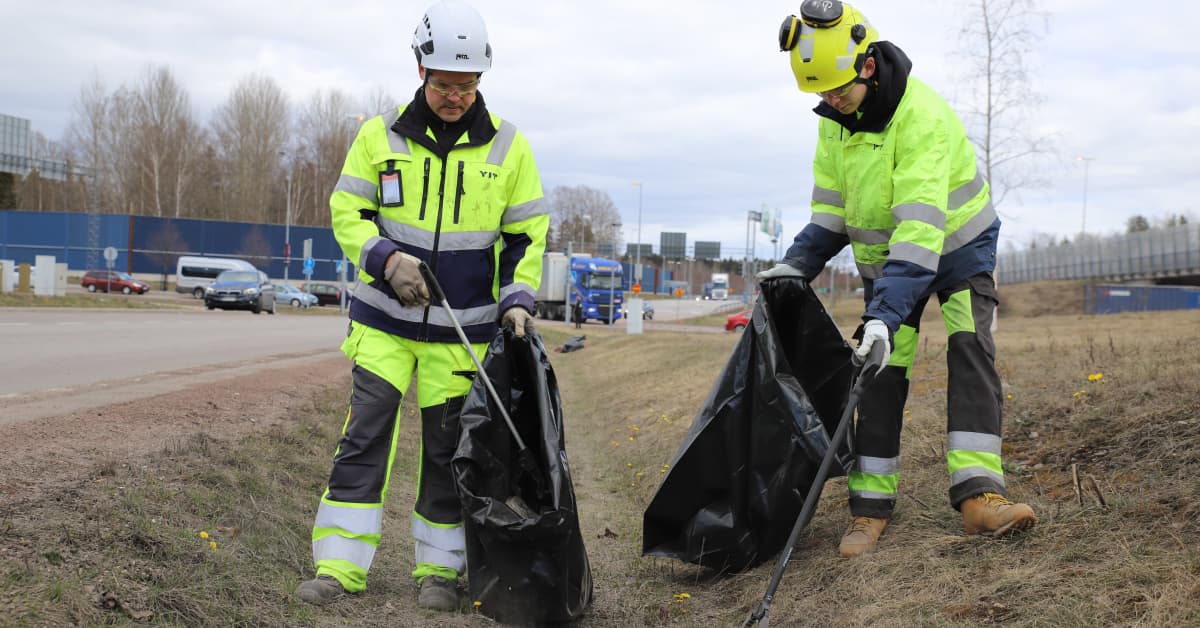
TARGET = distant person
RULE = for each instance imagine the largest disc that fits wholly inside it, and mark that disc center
(577, 313)
(443, 181)
(896, 179)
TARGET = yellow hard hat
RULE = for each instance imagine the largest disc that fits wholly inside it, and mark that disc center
(828, 44)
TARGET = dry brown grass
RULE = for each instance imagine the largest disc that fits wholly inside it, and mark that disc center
(628, 400)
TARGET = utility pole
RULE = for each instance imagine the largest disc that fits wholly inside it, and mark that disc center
(1083, 222)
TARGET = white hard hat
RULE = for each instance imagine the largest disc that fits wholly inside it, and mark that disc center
(452, 37)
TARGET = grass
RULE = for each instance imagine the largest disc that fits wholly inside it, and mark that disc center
(116, 300)
(1102, 399)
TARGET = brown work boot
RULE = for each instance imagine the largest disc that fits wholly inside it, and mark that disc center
(861, 536)
(319, 590)
(438, 593)
(994, 514)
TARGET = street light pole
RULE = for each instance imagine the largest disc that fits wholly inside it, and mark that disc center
(1083, 223)
(637, 255)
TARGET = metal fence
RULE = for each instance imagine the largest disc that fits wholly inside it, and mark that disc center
(1154, 254)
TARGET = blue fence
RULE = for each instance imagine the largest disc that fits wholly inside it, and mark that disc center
(150, 245)
(1110, 299)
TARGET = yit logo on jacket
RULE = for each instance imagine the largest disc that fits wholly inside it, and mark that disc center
(487, 175)
(462, 56)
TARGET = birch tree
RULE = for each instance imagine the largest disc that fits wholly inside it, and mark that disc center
(997, 39)
(250, 131)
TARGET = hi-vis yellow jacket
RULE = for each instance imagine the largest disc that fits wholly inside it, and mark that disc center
(474, 213)
(909, 200)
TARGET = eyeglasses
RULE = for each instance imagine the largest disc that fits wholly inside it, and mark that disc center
(840, 92)
(446, 90)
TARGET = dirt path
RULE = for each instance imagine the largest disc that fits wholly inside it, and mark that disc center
(45, 454)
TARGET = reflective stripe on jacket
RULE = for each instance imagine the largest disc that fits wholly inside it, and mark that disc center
(477, 217)
(909, 200)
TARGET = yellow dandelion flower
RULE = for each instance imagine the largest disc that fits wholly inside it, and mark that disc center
(629, 464)
(478, 603)
(641, 473)
(1095, 377)
(631, 439)
(213, 545)
(203, 534)
(1010, 395)
(680, 597)
(636, 428)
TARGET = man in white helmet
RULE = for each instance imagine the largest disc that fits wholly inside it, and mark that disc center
(895, 178)
(442, 181)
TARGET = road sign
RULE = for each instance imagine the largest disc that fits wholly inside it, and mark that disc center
(307, 248)
(637, 288)
(309, 264)
(679, 292)
(110, 256)
(338, 266)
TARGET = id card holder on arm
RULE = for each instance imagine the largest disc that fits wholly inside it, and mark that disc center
(391, 187)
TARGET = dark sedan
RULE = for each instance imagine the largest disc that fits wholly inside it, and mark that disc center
(241, 290)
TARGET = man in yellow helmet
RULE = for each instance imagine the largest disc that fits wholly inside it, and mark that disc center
(440, 181)
(895, 178)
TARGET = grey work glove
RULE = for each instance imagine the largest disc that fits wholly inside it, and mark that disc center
(875, 331)
(518, 318)
(779, 270)
(403, 274)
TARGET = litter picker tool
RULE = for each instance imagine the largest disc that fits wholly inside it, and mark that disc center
(524, 455)
(760, 616)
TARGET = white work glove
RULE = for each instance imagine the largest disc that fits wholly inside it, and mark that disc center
(875, 331)
(403, 274)
(779, 270)
(518, 318)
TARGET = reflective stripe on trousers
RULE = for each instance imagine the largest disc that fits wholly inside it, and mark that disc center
(974, 405)
(349, 521)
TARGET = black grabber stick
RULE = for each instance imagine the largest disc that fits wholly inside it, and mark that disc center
(760, 616)
(523, 454)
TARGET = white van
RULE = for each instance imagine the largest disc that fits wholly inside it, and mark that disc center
(194, 274)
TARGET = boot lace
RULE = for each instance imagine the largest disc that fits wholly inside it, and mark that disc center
(859, 524)
(994, 500)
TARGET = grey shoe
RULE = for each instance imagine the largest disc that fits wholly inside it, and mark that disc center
(438, 593)
(319, 590)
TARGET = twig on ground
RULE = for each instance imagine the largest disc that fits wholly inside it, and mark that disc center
(918, 500)
(1096, 487)
(1075, 483)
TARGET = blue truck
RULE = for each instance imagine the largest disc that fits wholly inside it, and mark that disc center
(595, 281)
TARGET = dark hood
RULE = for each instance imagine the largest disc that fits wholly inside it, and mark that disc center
(884, 92)
(418, 117)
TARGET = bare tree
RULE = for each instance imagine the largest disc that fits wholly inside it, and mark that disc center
(377, 101)
(250, 131)
(163, 121)
(998, 37)
(326, 125)
(584, 216)
(87, 136)
(165, 244)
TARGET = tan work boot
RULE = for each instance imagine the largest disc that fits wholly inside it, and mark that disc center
(438, 593)
(861, 536)
(992, 513)
(319, 590)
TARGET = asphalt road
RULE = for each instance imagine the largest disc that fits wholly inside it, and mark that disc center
(58, 360)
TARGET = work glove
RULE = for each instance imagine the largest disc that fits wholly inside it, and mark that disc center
(518, 318)
(779, 270)
(875, 331)
(403, 274)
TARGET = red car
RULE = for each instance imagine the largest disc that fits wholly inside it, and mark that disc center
(739, 321)
(112, 281)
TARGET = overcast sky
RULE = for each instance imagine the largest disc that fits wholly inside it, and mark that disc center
(691, 99)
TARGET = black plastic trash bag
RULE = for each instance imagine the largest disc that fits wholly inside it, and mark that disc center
(526, 562)
(739, 478)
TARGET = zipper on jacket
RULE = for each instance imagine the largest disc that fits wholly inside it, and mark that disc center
(424, 190)
(423, 333)
(459, 191)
